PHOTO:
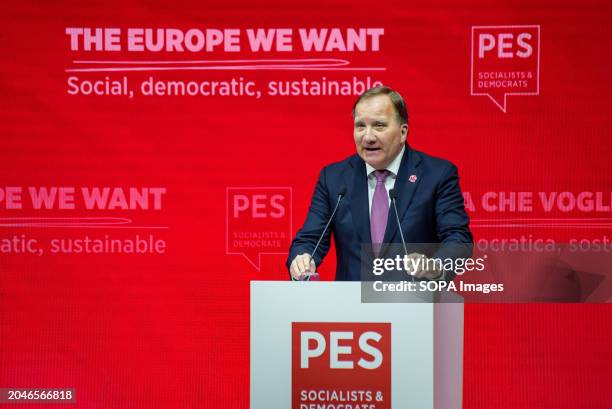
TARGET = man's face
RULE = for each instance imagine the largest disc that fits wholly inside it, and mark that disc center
(379, 136)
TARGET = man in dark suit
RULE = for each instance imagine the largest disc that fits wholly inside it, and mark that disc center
(429, 202)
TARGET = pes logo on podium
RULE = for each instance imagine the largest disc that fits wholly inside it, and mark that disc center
(505, 61)
(341, 364)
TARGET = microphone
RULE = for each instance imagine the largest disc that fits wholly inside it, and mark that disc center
(393, 197)
(314, 276)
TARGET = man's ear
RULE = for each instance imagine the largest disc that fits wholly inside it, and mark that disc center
(404, 130)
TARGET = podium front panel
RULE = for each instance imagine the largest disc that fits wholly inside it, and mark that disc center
(277, 307)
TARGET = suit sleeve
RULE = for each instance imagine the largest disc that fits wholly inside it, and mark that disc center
(318, 215)
(452, 221)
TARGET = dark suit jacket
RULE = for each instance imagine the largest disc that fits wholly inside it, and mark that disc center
(431, 210)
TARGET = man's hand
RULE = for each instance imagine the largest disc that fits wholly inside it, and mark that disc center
(418, 267)
(302, 264)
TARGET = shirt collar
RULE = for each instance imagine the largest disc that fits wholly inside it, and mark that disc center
(393, 166)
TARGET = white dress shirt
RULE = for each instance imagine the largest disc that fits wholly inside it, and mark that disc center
(389, 181)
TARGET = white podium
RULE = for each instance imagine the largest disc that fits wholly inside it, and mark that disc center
(316, 343)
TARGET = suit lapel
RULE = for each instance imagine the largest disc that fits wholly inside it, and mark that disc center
(405, 186)
(358, 196)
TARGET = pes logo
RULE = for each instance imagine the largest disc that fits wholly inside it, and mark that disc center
(258, 221)
(505, 61)
(341, 362)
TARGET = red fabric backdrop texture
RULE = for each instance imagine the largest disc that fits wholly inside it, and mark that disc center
(170, 328)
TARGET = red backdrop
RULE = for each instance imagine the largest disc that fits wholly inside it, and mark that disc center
(172, 329)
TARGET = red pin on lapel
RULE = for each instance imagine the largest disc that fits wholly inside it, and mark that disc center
(412, 178)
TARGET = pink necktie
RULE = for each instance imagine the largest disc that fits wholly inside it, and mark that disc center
(380, 210)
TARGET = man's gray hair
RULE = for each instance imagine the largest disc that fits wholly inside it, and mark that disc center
(396, 99)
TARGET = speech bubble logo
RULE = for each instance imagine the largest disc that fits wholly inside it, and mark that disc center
(505, 60)
(258, 221)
